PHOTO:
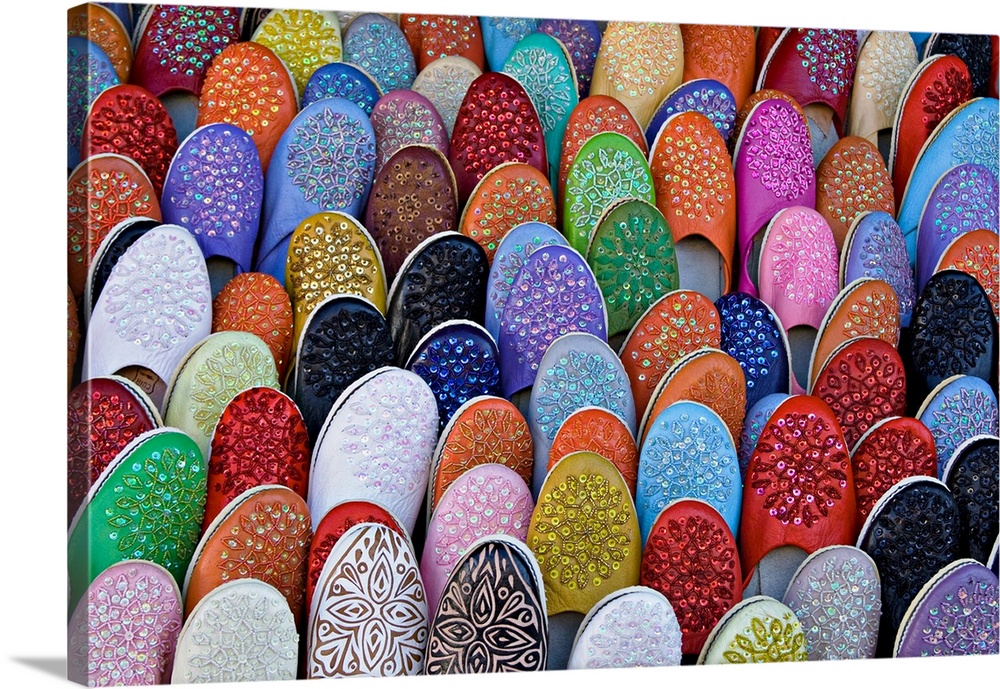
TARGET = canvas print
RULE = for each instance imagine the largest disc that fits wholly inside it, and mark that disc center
(407, 344)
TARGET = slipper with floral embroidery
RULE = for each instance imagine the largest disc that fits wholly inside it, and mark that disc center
(975, 253)
(342, 80)
(111, 249)
(875, 248)
(433, 37)
(958, 409)
(403, 118)
(885, 62)
(971, 476)
(706, 96)
(753, 335)
(304, 40)
(597, 430)
(257, 303)
(377, 45)
(582, 40)
(444, 82)
(756, 630)
(89, 72)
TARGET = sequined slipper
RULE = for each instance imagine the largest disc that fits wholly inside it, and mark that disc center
(492, 613)
(756, 419)
(553, 293)
(376, 444)
(487, 500)
(688, 453)
(101, 26)
(89, 72)
(442, 279)
(756, 630)
(608, 167)
(500, 35)
(971, 476)
(377, 45)
(958, 409)
(885, 62)
(140, 330)
(413, 197)
(72, 336)
(753, 335)
(104, 415)
(773, 170)
(147, 505)
(402, 118)
(975, 253)
(577, 370)
(752, 101)
(597, 430)
(111, 249)
(263, 106)
(912, 532)
(241, 631)
(723, 53)
(482, 139)
(632, 627)
(385, 583)
(439, 36)
(324, 161)
(509, 195)
(304, 40)
(256, 303)
(875, 248)
(975, 50)
(125, 628)
(342, 80)
(690, 557)
(705, 96)
(103, 192)
(837, 596)
(241, 457)
(444, 82)
(582, 39)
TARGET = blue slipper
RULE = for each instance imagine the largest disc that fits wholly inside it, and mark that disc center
(341, 80)
(756, 419)
(89, 71)
(377, 45)
(501, 34)
(958, 409)
(753, 335)
(706, 96)
(875, 248)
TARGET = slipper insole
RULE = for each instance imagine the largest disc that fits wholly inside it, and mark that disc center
(562, 632)
(700, 267)
(801, 339)
(183, 110)
(753, 259)
(822, 133)
(885, 144)
(151, 384)
(774, 572)
(220, 271)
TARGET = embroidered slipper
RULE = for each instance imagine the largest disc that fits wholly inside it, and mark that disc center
(688, 453)
(597, 430)
(492, 613)
(954, 332)
(376, 444)
(696, 194)
(974, 50)
(442, 279)
(936, 86)
(958, 409)
(484, 430)
(262, 104)
(582, 39)
(705, 96)
(975, 253)
(403, 118)
(140, 330)
(325, 161)
(511, 252)
(593, 115)
(542, 65)
(335, 524)
(885, 62)
(752, 100)
(386, 594)
(377, 45)
(752, 334)
(912, 532)
(891, 450)
(631, 252)
(73, 336)
(708, 376)
(483, 139)
(459, 361)
(303, 39)
(798, 279)
(509, 195)
(500, 35)
(966, 198)
(767, 36)
(436, 36)
(240, 457)
(487, 500)
(582, 497)
(679, 323)
(994, 559)
(102, 192)
(104, 29)
(757, 416)
(633, 627)
(723, 53)
(577, 370)
(875, 248)
(345, 18)
(966, 135)
(104, 415)
(798, 489)
(214, 188)
(690, 557)
(955, 614)
(757, 630)
(608, 167)
(256, 303)
(111, 249)
(241, 631)
(89, 72)
(124, 630)
(639, 63)
(263, 534)
(773, 170)
(342, 80)
(865, 308)
(971, 476)
(444, 82)
(147, 505)
(837, 596)
(553, 293)
(850, 180)
(174, 46)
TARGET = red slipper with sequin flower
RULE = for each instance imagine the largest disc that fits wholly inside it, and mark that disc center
(256, 303)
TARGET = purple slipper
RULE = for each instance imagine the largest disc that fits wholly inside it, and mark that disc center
(582, 39)
(707, 96)
(341, 80)
(875, 248)
(401, 118)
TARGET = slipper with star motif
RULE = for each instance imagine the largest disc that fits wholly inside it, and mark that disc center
(377, 45)
(875, 248)
(958, 409)
(756, 630)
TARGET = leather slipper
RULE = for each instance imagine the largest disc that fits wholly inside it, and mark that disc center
(757, 630)
(72, 336)
(342, 80)
(104, 29)
(500, 35)
(597, 430)
(303, 39)
(402, 118)
(885, 62)
(971, 476)
(256, 303)
(111, 249)
(377, 45)
(753, 335)
(756, 419)
(435, 36)
(705, 96)
(975, 253)
(695, 191)
(444, 82)
(723, 53)
(875, 248)
(958, 409)
(751, 102)
(89, 72)
(691, 558)
(385, 596)
(582, 39)
(975, 50)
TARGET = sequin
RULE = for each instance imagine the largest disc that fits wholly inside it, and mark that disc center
(444, 83)
(634, 630)
(960, 410)
(182, 41)
(341, 80)
(879, 251)
(436, 36)
(892, 450)
(752, 335)
(403, 118)
(581, 39)
(303, 39)
(88, 74)
(257, 303)
(851, 180)
(378, 46)
(775, 145)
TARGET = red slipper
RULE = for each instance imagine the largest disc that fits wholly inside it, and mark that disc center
(433, 36)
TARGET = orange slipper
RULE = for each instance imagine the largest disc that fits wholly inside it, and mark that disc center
(257, 303)
(103, 28)
(597, 430)
(976, 253)
(723, 53)
(433, 36)
(850, 180)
